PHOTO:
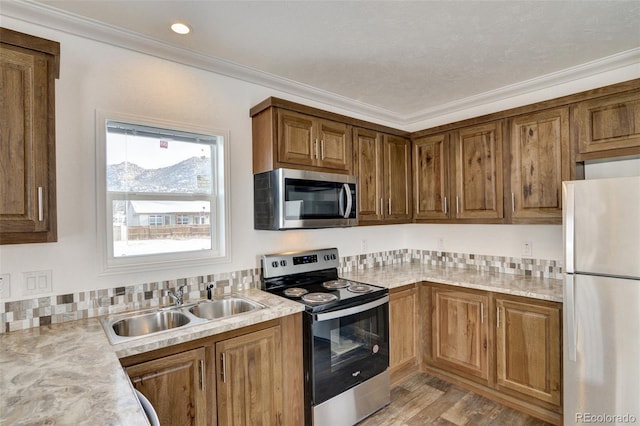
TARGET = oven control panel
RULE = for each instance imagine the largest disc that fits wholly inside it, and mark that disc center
(275, 265)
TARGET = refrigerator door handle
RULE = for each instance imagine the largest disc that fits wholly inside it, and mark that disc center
(570, 316)
(568, 225)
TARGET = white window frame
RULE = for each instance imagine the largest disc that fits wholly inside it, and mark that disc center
(220, 251)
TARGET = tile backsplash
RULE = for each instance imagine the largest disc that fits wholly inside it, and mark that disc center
(47, 310)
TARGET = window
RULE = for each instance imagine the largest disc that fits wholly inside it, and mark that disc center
(155, 178)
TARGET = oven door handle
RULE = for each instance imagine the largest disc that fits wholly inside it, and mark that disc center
(353, 310)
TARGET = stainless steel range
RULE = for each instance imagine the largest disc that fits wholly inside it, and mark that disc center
(346, 335)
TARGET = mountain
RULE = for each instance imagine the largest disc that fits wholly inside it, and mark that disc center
(190, 175)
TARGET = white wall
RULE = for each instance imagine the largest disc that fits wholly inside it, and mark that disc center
(99, 76)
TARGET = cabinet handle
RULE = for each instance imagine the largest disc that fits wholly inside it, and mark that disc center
(40, 205)
(513, 203)
(482, 313)
(381, 206)
(201, 374)
(457, 206)
(322, 149)
(389, 206)
(315, 149)
(497, 317)
(223, 373)
(445, 205)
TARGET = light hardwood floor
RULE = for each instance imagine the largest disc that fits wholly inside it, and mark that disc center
(426, 400)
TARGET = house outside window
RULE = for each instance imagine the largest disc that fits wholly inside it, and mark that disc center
(164, 192)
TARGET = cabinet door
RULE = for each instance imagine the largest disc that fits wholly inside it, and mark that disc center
(296, 138)
(27, 146)
(397, 177)
(528, 343)
(610, 122)
(540, 161)
(334, 145)
(175, 387)
(478, 172)
(403, 331)
(249, 381)
(431, 177)
(367, 164)
(460, 332)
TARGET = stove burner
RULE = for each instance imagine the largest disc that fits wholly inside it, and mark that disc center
(295, 292)
(335, 284)
(319, 297)
(359, 288)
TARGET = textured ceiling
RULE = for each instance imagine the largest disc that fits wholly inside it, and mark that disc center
(400, 56)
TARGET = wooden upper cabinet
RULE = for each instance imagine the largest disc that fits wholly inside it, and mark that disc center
(431, 177)
(609, 126)
(249, 379)
(175, 387)
(28, 69)
(460, 334)
(478, 172)
(540, 161)
(397, 177)
(382, 164)
(529, 348)
(283, 138)
(367, 166)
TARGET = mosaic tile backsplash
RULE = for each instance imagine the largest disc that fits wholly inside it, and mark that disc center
(47, 310)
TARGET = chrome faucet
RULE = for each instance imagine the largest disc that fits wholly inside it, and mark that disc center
(209, 287)
(177, 296)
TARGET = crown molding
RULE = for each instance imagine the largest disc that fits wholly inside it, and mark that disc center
(49, 17)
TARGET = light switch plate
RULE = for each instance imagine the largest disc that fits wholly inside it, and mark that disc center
(37, 282)
(5, 286)
(527, 248)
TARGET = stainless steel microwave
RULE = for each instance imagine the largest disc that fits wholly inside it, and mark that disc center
(295, 199)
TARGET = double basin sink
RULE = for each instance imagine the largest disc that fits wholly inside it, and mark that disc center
(121, 328)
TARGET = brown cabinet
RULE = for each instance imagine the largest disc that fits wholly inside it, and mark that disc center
(508, 348)
(540, 161)
(460, 332)
(528, 348)
(283, 138)
(249, 379)
(239, 377)
(458, 176)
(29, 66)
(175, 387)
(403, 332)
(609, 126)
(383, 167)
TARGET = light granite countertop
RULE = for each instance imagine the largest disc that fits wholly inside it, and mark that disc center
(69, 373)
(402, 274)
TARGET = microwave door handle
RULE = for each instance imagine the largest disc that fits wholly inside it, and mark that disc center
(341, 202)
(347, 190)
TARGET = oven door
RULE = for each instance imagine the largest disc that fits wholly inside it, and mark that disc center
(347, 347)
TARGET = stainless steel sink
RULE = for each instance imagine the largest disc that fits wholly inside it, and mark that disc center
(224, 307)
(148, 323)
(124, 327)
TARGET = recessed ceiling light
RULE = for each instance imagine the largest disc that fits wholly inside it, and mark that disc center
(180, 28)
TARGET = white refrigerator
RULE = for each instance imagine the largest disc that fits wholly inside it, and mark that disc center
(601, 323)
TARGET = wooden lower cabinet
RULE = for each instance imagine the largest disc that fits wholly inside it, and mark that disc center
(403, 332)
(175, 387)
(249, 381)
(528, 349)
(506, 348)
(460, 332)
(241, 377)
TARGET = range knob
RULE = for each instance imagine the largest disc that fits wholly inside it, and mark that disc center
(274, 264)
(283, 263)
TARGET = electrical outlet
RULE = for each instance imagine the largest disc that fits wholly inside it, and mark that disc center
(527, 248)
(363, 246)
(440, 243)
(5, 286)
(37, 282)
